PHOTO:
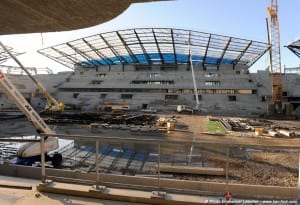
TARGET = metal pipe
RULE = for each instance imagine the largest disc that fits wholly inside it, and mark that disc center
(18, 140)
(298, 197)
(158, 168)
(226, 169)
(97, 163)
(42, 145)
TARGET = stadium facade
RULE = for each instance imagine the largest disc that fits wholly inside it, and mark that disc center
(153, 67)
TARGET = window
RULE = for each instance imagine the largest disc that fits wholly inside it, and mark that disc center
(96, 82)
(168, 67)
(284, 94)
(171, 97)
(126, 96)
(101, 75)
(142, 67)
(75, 95)
(231, 97)
(211, 83)
(152, 82)
(153, 75)
(102, 96)
(210, 75)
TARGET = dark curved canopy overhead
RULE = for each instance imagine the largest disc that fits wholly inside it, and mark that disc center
(295, 47)
(156, 46)
(34, 16)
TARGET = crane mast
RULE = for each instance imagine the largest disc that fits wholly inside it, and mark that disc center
(275, 57)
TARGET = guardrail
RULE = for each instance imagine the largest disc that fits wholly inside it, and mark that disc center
(159, 182)
(168, 169)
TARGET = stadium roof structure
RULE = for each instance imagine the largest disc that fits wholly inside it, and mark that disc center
(4, 56)
(295, 47)
(156, 46)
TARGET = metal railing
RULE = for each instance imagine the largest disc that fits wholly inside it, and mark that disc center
(160, 156)
(161, 147)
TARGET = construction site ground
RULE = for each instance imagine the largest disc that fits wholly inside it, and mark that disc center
(246, 165)
(264, 167)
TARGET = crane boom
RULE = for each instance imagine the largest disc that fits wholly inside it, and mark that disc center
(10, 90)
(275, 57)
(53, 105)
(29, 149)
(193, 73)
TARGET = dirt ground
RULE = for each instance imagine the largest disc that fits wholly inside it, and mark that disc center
(263, 167)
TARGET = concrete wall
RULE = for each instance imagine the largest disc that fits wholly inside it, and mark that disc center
(147, 183)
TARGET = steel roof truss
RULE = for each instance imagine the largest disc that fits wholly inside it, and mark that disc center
(82, 53)
(63, 54)
(236, 61)
(223, 53)
(127, 48)
(143, 48)
(102, 56)
(158, 48)
(120, 58)
(206, 50)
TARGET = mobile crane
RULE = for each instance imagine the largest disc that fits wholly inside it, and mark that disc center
(30, 150)
(53, 105)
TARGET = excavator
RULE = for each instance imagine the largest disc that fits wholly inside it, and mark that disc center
(53, 105)
(30, 152)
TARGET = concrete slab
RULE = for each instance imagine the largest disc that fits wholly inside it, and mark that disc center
(13, 196)
(128, 195)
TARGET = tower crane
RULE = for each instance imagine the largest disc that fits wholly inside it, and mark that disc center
(275, 59)
(53, 105)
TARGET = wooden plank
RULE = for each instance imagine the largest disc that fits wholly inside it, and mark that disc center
(192, 170)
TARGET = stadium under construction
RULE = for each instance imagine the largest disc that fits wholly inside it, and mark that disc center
(159, 68)
(153, 116)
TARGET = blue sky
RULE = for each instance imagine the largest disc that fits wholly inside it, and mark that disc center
(237, 18)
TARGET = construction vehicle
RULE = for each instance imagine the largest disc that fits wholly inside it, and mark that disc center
(185, 109)
(30, 152)
(53, 105)
(276, 108)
